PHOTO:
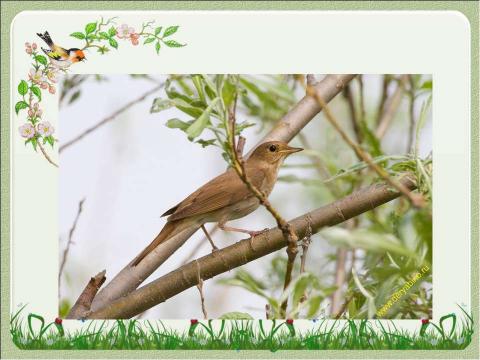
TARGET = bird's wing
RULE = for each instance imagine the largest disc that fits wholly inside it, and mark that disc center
(222, 191)
(59, 53)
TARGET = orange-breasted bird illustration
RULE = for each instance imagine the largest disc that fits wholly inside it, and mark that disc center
(58, 55)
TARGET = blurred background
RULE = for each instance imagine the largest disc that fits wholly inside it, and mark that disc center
(119, 156)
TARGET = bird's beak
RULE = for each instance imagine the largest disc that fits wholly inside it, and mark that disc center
(290, 150)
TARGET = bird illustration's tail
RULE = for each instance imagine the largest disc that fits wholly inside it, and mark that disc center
(46, 37)
(170, 229)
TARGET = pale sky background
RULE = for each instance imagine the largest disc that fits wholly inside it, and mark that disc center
(134, 168)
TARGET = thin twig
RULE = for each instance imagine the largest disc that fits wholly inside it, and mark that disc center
(383, 98)
(46, 155)
(416, 200)
(202, 297)
(362, 98)
(70, 242)
(393, 104)
(347, 93)
(411, 112)
(287, 230)
(110, 117)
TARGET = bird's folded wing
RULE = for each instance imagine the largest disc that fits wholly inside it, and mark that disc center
(220, 192)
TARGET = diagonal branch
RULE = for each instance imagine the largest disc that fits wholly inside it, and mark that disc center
(245, 251)
(286, 129)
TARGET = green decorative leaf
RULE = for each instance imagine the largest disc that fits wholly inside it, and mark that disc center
(202, 122)
(113, 43)
(20, 105)
(78, 35)
(157, 47)
(158, 30)
(173, 43)
(74, 96)
(34, 143)
(23, 87)
(454, 322)
(41, 59)
(90, 28)
(149, 40)
(37, 92)
(236, 315)
(170, 30)
(112, 31)
(103, 35)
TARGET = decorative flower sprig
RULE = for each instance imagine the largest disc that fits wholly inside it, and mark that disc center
(102, 35)
(42, 75)
(97, 35)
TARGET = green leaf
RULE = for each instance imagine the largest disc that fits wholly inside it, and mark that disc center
(173, 43)
(34, 143)
(41, 59)
(160, 104)
(170, 30)
(206, 143)
(112, 31)
(20, 105)
(78, 35)
(236, 315)
(178, 124)
(90, 28)
(113, 43)
(313, 305)
(37, 92)
(74, 96)
(454, 322)
(158, 30)
(103, 35)
(149, 40)
(202, 122)
(23, 87)
(157, 47)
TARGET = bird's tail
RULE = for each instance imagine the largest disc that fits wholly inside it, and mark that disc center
(170, 229)
(46, 37)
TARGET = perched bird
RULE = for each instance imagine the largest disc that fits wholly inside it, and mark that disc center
(226, 197)
(58, 55)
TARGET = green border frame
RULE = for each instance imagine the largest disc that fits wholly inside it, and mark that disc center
(470, 9)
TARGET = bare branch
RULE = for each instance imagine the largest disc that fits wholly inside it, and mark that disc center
(246, 251)
(391, 109)
(110, 117)
(70, 241)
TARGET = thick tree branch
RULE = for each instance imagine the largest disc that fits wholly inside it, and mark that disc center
(246, 251)
(288, 127)
(83, 304)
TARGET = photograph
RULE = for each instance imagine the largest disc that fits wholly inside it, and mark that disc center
(226, 196)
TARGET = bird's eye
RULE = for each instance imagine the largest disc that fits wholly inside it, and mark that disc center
(272, 148)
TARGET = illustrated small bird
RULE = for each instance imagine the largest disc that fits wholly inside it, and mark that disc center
(58, 55)
(226, 197)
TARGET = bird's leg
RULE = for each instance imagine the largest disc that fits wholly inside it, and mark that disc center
(252, 233)
(214, 248)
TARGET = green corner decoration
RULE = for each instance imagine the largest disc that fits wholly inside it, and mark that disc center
(240, 334)
(50, 61)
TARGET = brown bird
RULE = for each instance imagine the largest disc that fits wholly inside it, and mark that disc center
(226, 197)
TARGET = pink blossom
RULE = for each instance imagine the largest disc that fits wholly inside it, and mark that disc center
(34, 46)
(51, 89)
(39, 112)
(45, 128)
(124, 31)
(27, 45)
(52, 75)
(31, 112)
(27, 131)
(44, 85)
(28, 51)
